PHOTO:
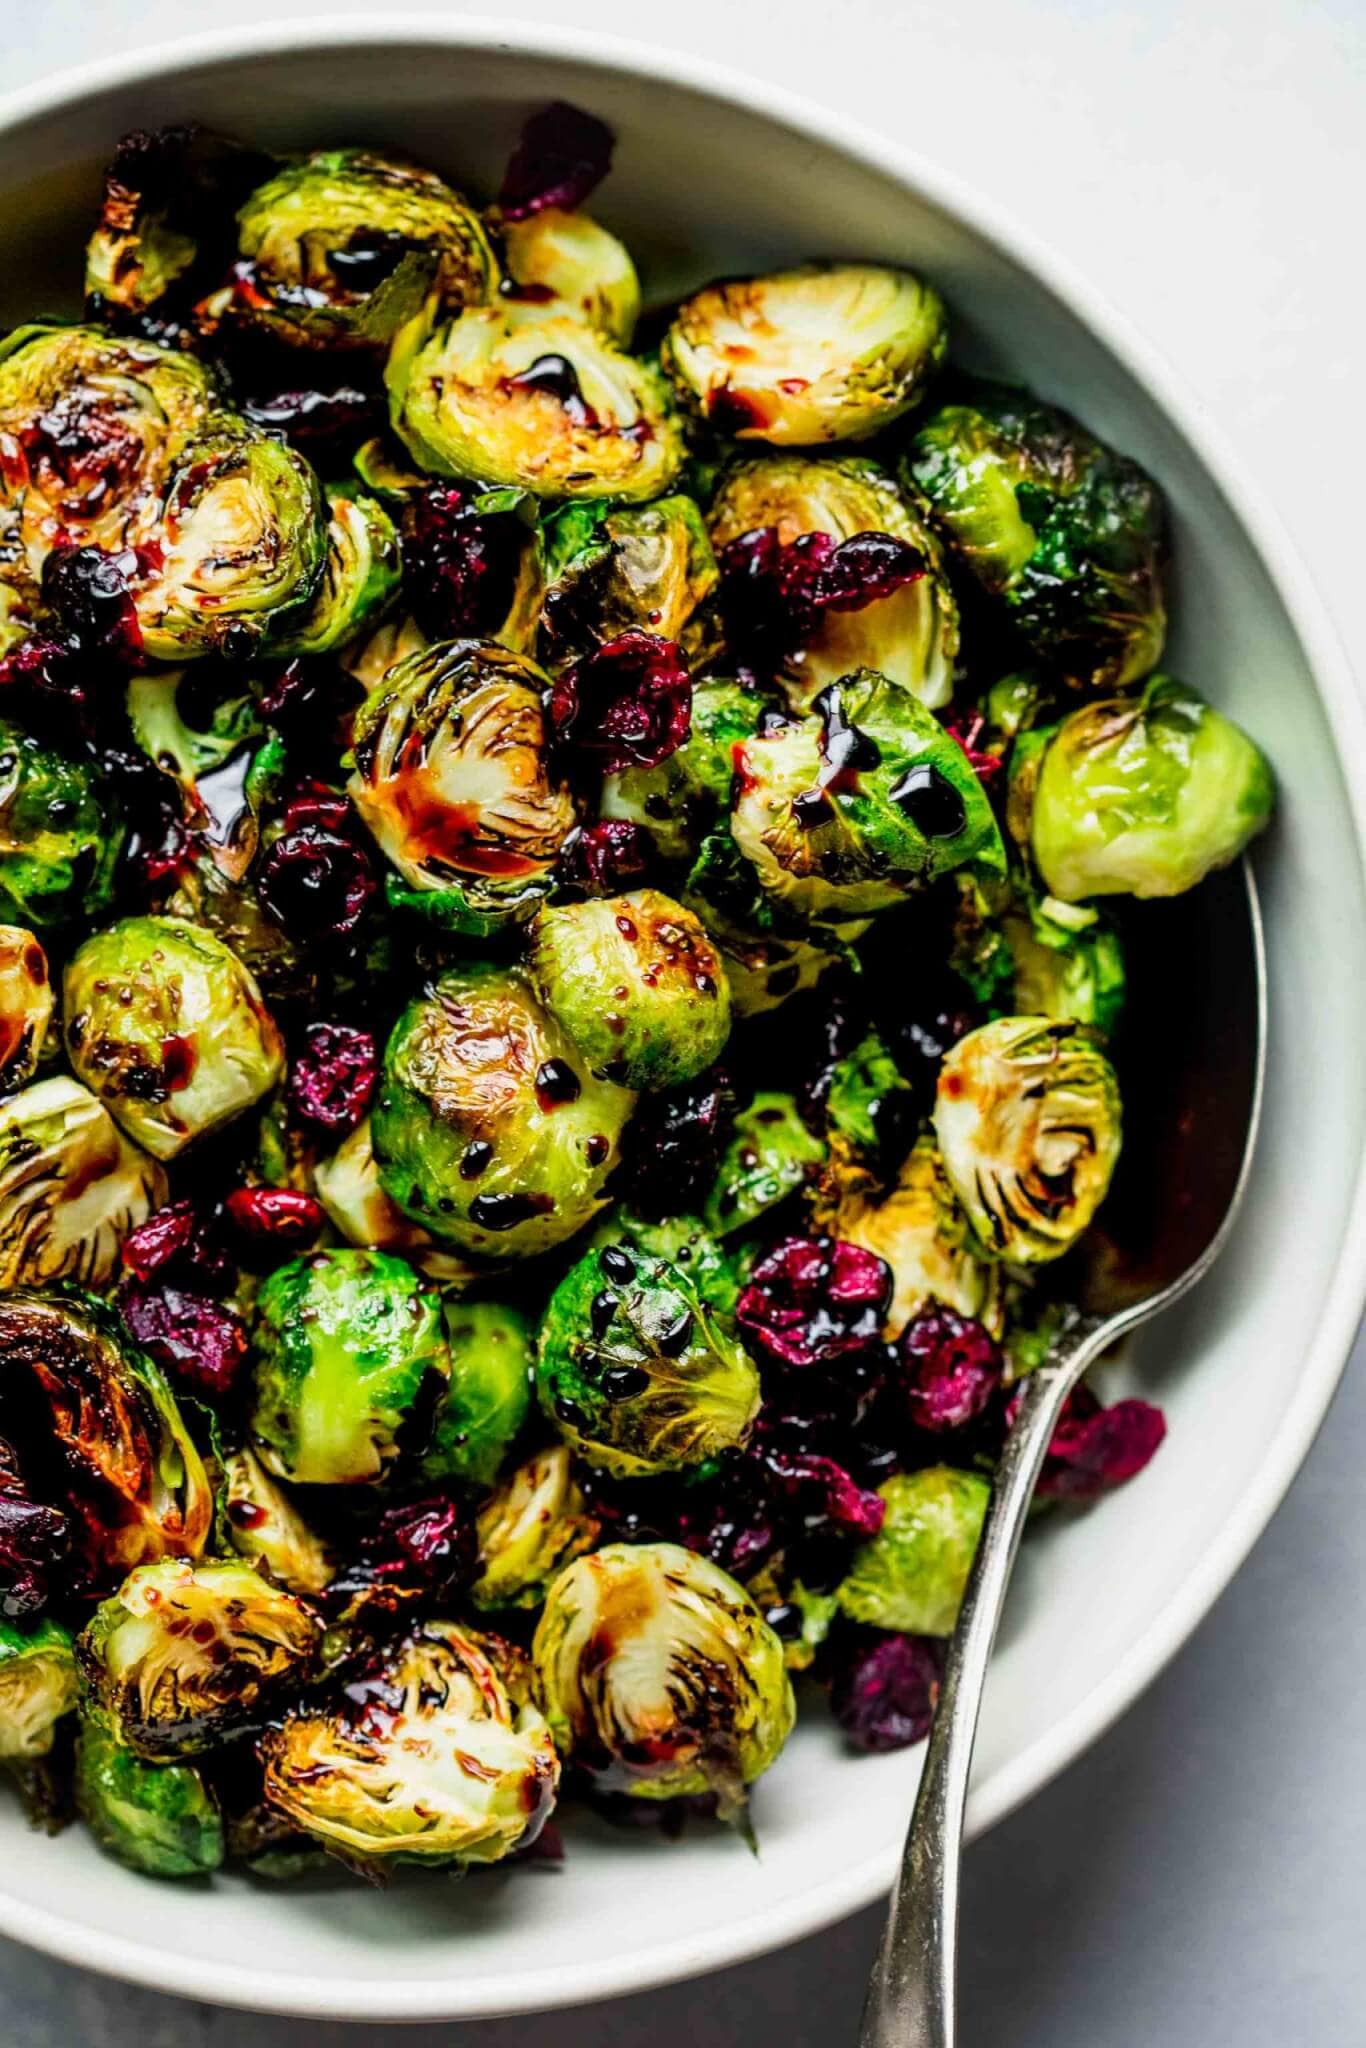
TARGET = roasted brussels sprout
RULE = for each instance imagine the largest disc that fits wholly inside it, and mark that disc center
(1068, 961)
(453, 777)
(547, 405)
(340, 248)
(609, 568)
(168, 1028)
(489, 1392)
(684, 1241)
(38, 1684)
(924, 1236)
(637, 1369)
(348, 1186)
(659, 1675)
(89, 1407)
(566, 262)
(530, 1527)
(1027, 1115)
(185, 1656)
(266, 1528)
(185, 751)
(71, 1187)
(1069, 534)
(912, 1575)
(829, 352)
(60, 837)
(680, 799)
(487, 1129)
(26, 1003)
(160, 1819)
(770, 1156)
(351, 1362)
(637, 984)
(361, 572)
(844, 812)
(1145, 795)
(426, 1760)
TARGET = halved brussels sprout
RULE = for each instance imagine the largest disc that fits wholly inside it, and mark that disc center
(371, 659)
(846, 811)
(26, 1004)
(924, 1236)
(548, 405)
(265, 1527)
(678, 801)
(637, 1369)
(38, 1684)
(659, 1675)
(426, 1760)
(489, 1392)
(168, 1028)
(911, 635)
(342, 247)
(351, 1363)
(771, 1154)
(361, 573)
(767, 958)
(1027, 1114)
(71, 1187)
(530, 1527)
(565, 262)
(184, 751)
(1068, 962)
(610, 568)
(87, 1406)
(160, 1819)
(912, 1575)
(284, 967)
(488, 1129)
(60, 837)
(185, 1656)
(637, 984)
(453, 777)
(348, 1186)
(828, 352)
(1145, 795)
(1069, 534)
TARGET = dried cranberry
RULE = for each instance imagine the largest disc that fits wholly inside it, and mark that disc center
(317, 883)
(332, 1076)
(175, 1242)
(773, 594)
(563, 155)
(460, 566)
(815, 1299)
(968, 728)
(885, 1689)
(42, 687)
(674, 1143)
(428, 1544)
(201, 1344)
(822, 1485)
(88, 592)
(310, 700)
(628, 704)
(281, 1217)
(607, 858)
(1095, 1448)
(918, 1038)
(733, 1519)
(33, 1543)
(949, 1368)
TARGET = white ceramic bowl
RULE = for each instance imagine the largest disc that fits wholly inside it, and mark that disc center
(713, 175)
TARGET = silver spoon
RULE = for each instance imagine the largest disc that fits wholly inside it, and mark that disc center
(1198, 967)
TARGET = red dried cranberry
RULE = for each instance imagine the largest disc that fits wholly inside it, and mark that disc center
(968, 728)
(949, 1368)
(310, 701)
(281, 1217)
(175, 1242)
(332, 1076)
(317, 884)
(773, 594)
(201, 1344)
(41, 686)
(428, 1544)
(885, 1689)
(918, 1038)
(563, 155)
(33, 1543)
(820, 1482)
(733, 1519)
(815, 1299)
(674, 1143)
(460, 566)
(607, 858)
(628, 704)
(1095, 1448)
(88, 592)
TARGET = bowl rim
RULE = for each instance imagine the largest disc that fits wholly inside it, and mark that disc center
(1325, 1352)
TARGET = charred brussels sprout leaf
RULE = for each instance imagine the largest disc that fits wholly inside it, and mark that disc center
(830, 352)
(165, 221)
(60, 837)
(71, 1187)
(1145, 795)
(266, 1528)
(159, 1819)
(185, 1656)
(1068, 962)
(26, 1004)
(489, 1393)
(680, 799)
(361, 572)
(426, 1760)
(183, 750)
(38, 1684)
(660, 1677)
(770, 1156)
(914, 1572)
(1069, 534)
(1027, 1115)
(487, 1129)
(611, 568)
(920, 1229)
(351, 1362)
(168, 1028)
(567, 263)
(530, 1527)
(636, 1367)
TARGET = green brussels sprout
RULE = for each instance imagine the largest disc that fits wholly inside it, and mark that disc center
(165, 208)
(637, 984)
(609, 568)
(637, 1369)
(99, 1415)
(159, 1819)
(26, 1005)
(684, 1241)
(343, 246)
(920, 1229)
(659, 1675)
(1068, 962)
(910, 636)
(38, 1684)
(185, 1656)
(283, 967)
(678, 801)
(1145, 795)
(60, 837)
(829, 352)
(265, 1527)
(361, 573)
(351, 1360)
(767, 960)
(242, 546)
(348, 1186)
(1070, 535)
(453, 777)
(913, 1574)
(563, 262)
(529, 1529)
(489, 1392)
(168, 1028)
(865, 1089)
(547, 405)
(185, 752)
(770, 1155)
(71, 1187)
(1027, 1114)
(443, 1768)
(844, 812)
(488, 1130)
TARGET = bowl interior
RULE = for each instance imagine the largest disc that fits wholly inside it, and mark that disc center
(706, 184)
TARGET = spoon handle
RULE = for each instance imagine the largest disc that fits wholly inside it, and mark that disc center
(912, 1994)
